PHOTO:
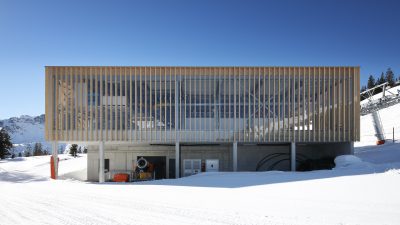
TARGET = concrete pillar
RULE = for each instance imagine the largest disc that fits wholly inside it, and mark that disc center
(101, 162)
(177, 160)
(55, 157)
(352, 147)
(293, 156)
(234, 156)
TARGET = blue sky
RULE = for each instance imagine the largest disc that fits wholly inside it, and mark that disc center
(210, 33)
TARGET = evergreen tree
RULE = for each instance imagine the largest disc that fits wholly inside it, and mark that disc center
(5, 143)
(20, 154)
(371, 82)
(12, 153)
(28, 151)
(381, 79)
(38, 149)
(73, 150)
(389, 76)
(363, 88)
(79, 149)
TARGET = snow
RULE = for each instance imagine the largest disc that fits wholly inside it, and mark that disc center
(26, 169)
(390, 120)
(363, 194)
(390, 91)
(345, 161)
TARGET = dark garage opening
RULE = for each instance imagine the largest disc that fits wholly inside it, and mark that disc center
(159, 163)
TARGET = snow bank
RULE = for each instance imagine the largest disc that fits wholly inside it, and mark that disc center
(347, 161)
(354, 163)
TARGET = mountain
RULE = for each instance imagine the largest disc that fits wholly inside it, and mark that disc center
(26, 130)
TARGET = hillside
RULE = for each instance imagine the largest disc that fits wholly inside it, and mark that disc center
(26, 130)
(390, 118)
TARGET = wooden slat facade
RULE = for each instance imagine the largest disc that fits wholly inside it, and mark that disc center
(202, 104)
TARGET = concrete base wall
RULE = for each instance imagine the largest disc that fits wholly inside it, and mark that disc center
(123, 157)
(250, 155)
(221, 152)
(321, 150)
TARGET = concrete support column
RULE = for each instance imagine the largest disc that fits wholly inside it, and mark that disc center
(352, 147)
(101, 162)
(234, 156)
(177, 160)
(55, 158)
(293, 156)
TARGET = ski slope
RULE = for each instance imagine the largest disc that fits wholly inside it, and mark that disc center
(390, 118)
(363, 192)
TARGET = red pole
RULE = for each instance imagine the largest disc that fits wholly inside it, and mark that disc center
(52, 171)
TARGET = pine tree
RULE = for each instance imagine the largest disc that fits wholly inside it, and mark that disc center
(363, 88)
(389, 76)
(38, 149)
(381, 79)
(79, 149)
(5, 143)
(28, 151)
(371, 82)
(73, 149)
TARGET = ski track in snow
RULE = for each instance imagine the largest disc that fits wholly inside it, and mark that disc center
(359, 195)
(92, 209)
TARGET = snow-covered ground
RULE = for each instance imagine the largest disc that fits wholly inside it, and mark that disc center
(362, 191)
(389, 117)
(390, 91)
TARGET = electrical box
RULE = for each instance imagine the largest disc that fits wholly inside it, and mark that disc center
(212, 165)
(191, 166)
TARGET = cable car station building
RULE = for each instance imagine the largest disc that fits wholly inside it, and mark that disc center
(191, 119)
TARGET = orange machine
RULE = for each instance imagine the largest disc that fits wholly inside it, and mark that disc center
(121, 177)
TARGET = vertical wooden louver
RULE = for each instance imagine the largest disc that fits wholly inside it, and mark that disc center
(202, 104)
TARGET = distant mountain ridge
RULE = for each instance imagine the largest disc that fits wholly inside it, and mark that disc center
(26, 130)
